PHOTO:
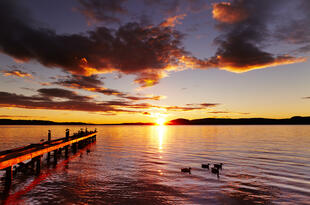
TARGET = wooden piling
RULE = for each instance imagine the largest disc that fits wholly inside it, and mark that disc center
(49, 138)
(74, 147)
(8, 175)
(55, 156)
(32, 163)
(67, 147)
(38, 164)
(67, 134)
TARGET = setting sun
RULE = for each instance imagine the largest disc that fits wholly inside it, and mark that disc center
(160, 121)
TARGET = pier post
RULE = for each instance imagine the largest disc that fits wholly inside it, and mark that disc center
(67, 134)
(55, 156)
(32, 164)
(49, 137)
(38, 164)
(73, 147)
(9, 175)
(67, 139)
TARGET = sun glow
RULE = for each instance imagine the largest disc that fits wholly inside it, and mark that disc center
(160, 121)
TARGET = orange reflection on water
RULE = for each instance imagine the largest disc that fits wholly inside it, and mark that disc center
(161, 133)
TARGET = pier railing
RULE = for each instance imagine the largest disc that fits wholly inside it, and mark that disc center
(13, 159)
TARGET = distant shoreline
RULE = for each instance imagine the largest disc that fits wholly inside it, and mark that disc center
(205, 121)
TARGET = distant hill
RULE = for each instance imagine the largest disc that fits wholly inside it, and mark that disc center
(36, 122)
(297, 120)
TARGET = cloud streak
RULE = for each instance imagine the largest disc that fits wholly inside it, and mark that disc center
(17, 73)
(173, 21)
(47, 100)
(94, 84)
(61, 99)
(102, 10)
(190, 107)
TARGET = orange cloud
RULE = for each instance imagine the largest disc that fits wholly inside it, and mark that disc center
(149, 78)
(225, 12)
(173, 21)
(17, 73)
(232, 66)
(238, 65)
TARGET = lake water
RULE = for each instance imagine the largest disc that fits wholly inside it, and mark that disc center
(141, 165)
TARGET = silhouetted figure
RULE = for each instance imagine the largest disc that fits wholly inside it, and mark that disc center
(205, 166)
(218, 166)
(88, 151)
(188, 170)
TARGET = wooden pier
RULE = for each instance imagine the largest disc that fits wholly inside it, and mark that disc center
(13, 160)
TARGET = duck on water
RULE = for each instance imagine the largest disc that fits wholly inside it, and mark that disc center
(218, 166)
(188, 170)
(205, 166)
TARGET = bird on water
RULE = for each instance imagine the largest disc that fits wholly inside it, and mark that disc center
(218, 166)
(188, 170)
(206, 166)
(215, 171)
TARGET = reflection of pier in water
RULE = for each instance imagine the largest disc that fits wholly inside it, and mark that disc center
(13, 160)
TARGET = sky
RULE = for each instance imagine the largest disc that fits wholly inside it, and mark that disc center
(102, 61)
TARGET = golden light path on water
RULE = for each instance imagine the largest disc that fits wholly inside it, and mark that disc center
(161, 134)
(161, 131)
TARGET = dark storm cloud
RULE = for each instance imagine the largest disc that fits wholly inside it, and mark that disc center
(102, 10)
(244, 33)
(240, 46)
(148, 52)
(132, 49)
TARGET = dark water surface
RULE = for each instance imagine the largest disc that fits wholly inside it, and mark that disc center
(141, 165)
